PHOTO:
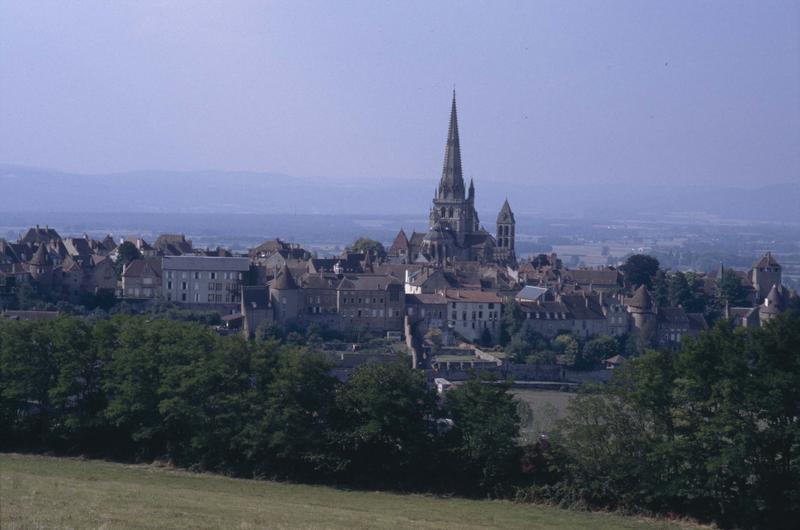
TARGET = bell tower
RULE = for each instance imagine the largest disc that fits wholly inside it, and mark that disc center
(505, 238)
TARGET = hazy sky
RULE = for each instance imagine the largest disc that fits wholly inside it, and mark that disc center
(578, 91)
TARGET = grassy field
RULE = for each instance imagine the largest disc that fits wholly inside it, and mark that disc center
(46, 492)
(546, 407)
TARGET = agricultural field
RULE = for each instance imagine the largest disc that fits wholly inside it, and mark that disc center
(542, 408)
(47, 492)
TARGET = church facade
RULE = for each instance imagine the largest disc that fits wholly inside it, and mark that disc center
(454, 230)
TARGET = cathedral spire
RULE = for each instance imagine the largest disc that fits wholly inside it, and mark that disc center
(452, 183)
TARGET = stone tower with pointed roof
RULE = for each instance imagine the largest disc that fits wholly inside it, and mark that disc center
(765, 273)
(504, 240)
(454, 232)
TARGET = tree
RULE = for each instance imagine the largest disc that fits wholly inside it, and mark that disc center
(486, 426)
(127, 252)
(511, 321)
(679, 293)
(370, 246)
(384, 429)
(661, 288)
(289, 434)
(567, 346)
(596, 351)
(730, 290)
(639, 269)
(434, 336)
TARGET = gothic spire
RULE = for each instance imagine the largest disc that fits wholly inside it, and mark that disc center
(452, 183)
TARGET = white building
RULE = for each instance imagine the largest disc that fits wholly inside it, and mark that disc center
(206, 280)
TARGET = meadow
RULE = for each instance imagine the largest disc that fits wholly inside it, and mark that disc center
(49, 492)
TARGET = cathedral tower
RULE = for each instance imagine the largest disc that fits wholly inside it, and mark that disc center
(504, 240)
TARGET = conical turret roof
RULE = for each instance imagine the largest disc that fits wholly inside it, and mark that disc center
(774, 301)
(451, 184)
(641, 298)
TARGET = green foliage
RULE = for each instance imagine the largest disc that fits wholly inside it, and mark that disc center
(127, 252)
(596, 351)
(660, 288)
(712, 430)
(384, 427)
(486, 427)
(639, 269)
(730, 290)
(370, 246)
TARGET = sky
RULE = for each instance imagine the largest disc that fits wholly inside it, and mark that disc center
(618, 92)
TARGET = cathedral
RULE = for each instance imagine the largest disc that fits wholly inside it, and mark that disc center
(454, 230)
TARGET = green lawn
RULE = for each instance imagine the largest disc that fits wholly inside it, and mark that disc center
(545, 406)
(46, 492)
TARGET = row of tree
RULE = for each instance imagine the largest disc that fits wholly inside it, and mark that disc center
(711, 431)
(137, 389)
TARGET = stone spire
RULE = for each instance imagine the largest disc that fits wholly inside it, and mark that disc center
(451, 186)
(505, 215)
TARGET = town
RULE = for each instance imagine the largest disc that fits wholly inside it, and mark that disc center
(457, 297)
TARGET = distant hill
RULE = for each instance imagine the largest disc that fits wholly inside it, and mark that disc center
(26, 189)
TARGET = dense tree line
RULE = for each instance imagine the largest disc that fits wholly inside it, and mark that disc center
(710, 431)
(136, 388)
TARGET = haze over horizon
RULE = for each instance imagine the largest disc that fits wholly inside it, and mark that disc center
(625, 92)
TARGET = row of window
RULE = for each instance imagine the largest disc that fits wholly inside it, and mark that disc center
(212, 286)
(200, 275)
(212, 298)
(480, 306)
(476, 315)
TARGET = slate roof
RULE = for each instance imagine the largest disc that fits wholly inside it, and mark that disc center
(40, 235)
(173, 244)
(641, 298)
(142, 266)
(205, 263)
(603, 277)
(426, 299)
(284, 281)
(367, 282)
(774, 302)
(766, 261)
(673, 316)
(255, 296)
(42, 256)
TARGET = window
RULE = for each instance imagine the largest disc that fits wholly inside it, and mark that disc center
(183, 286)
(169, 285)
(212, 275)
(183, 297)
(480, 315)
(463, 315)
(491, 306)
(211, 298)
(196, 297)
(183, 275)
(210, 286)
(169, 274)
(196, 275)
(454, 305)
(454, 316)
